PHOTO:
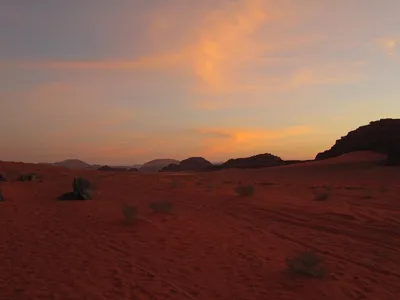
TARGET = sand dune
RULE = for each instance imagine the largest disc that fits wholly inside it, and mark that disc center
(215, 245)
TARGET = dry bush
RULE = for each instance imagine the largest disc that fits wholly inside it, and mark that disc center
(245, 190)
(322, 196)
(307, 263)
(28, 177)
(130, 213)
(162, 206)
(3, 177)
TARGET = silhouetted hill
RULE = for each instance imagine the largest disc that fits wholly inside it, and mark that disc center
(255, 161)
(195, 164)
(157, 164)
(73, 164)
(382, 136)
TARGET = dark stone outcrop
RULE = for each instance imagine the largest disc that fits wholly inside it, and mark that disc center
(252, 162)
(82, 189)
(382, 136)
(195, 164)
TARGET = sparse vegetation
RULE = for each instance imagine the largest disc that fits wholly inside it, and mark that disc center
(266, 183)
(28, 177)
(322, 196)
(245, 190)
(82, 188)
(228, 182)
(130, 213)
(162, 206)
(307, 263)
(354, 187)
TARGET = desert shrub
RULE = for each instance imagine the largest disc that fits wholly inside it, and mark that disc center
(266, 183)
(28, 177)
(245, 190)
(322, 196)
(3, 177)
(130, 213)
(162, 206)
(307, 263)
(82, 188)
(1, 196)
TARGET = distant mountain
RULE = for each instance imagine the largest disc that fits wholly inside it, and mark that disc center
(252, 162)
(157, 164)
(73, 164)
(196, 164)
(79, 164)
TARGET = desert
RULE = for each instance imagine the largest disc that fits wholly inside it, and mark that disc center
(211, 241)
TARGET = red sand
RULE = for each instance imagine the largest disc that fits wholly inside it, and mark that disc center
(216, 245)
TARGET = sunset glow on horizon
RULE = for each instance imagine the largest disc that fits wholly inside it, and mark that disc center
(127, 81)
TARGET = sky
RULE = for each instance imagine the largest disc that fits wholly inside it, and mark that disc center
(127, 81)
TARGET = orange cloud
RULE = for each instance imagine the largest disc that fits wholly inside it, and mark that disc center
(229, 141)
(390, 45)
(222, 41)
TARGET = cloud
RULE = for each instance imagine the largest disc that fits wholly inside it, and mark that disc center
(390, 45)
(266, 89)
(219, 41)
(218, 142)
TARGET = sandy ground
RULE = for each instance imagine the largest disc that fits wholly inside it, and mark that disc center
(215, 245)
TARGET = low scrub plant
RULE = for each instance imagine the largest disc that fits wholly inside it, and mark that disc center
(245, 190)
(307, 263)
(162, 206)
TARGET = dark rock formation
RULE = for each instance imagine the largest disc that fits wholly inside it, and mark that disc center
(1, 196)
(81, 190)
(382, 136)
(252, 162)
(195, 164)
